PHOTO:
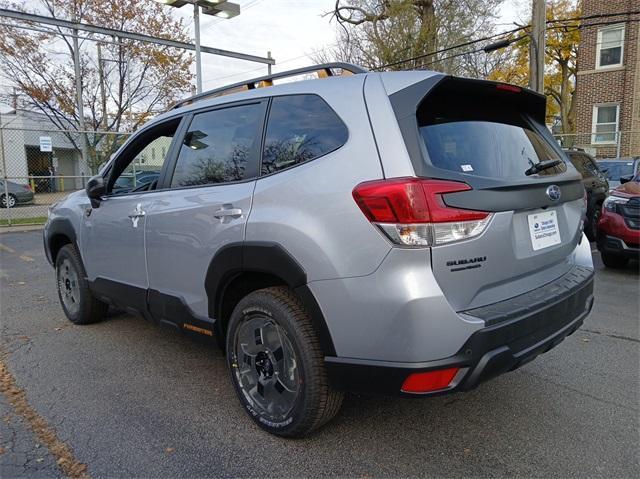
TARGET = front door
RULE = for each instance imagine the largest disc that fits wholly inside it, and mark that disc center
(112, 237)
(205, 208)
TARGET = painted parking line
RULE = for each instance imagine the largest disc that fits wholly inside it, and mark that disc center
(24, 257)
(6, 248)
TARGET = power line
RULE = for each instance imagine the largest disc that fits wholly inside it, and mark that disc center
(524, 27)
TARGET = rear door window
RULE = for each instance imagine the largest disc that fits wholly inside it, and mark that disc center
(220, 146)
(470, 135)
(300, 128)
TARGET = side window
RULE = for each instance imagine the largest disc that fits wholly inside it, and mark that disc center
(300, 128)
(220, 146)
(138, 167)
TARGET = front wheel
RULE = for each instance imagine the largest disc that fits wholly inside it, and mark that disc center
(276, 364)
(76, 299)
(613, 260)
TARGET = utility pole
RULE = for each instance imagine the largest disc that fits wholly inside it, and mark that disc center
(269, 64)
(537, 45)
(103, 93)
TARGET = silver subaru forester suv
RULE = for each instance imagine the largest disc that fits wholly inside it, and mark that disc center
(406, 233)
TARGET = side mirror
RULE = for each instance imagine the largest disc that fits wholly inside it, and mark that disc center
(626, 179)
(96, 188)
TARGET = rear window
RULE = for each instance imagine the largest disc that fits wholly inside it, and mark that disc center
(476, 135)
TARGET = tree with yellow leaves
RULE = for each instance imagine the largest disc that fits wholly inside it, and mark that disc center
(561, 54)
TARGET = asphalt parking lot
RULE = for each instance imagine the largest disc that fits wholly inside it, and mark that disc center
(130, 399)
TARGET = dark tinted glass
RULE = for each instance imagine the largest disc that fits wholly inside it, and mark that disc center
(219, 147)
(467, 134)
(583, 165)
(300, 128)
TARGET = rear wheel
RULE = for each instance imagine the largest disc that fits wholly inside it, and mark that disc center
(276, 364)
(76, 299)
(613, 260)
(8, 201)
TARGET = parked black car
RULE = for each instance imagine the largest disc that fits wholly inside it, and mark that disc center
(596, 185)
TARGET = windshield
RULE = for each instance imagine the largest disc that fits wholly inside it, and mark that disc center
(616, 169)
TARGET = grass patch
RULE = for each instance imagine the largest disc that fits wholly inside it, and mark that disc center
(36, 220)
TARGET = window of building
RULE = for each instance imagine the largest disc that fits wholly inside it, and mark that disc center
(605, 123)
(220, 146)
(300, 128)
(610, 46)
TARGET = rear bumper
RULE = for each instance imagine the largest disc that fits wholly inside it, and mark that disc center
(517, 330)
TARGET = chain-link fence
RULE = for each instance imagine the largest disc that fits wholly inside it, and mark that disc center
(39, 167)
(614, 144)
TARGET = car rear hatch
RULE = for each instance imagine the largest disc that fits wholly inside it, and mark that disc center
(492, 137)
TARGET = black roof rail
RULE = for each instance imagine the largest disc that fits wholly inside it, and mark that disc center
(323, 70)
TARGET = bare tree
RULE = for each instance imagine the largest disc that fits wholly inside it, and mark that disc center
(385, 33)
(132, 81)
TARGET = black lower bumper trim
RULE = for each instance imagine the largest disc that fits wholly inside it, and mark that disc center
(488, 353)
(613, 245)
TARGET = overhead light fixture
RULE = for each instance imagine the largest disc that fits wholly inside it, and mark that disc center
(173, 3)
(217, 8)
(221, 9)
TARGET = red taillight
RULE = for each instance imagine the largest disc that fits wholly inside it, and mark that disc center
(412, 211)
(509, 88)
(411, 200)
(429, 381)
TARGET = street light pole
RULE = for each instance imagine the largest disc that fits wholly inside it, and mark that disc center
(217, 8)
(196, 21)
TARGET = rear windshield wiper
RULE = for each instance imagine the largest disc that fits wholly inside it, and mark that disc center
(543, 165)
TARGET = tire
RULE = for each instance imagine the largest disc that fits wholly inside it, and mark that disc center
(613, 260)
(11, 203)
(76, 299)
(268, 330)
(591, 228)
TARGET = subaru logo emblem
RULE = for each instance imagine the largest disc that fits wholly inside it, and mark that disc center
(553, 192)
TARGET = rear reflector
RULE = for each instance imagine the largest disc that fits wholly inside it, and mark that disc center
(429, 381)
(412, 211)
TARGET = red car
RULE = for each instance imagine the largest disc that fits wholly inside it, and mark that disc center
(619, 225)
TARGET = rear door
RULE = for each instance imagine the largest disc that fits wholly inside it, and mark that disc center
(493, 138)
(205, 207)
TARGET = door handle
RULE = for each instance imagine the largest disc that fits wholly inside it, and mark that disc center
(228, 213)
(138, 212)
(136, 215)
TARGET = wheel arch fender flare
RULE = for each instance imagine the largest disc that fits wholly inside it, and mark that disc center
(58, 227)
(235, 259)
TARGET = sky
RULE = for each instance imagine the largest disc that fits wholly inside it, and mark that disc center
(291, 29)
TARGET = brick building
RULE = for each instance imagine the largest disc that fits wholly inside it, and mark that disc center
(608, 84)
